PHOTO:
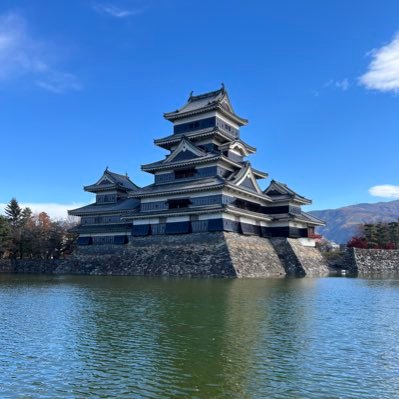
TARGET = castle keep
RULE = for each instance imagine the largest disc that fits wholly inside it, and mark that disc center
(205, 184)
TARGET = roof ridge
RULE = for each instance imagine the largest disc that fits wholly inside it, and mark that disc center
(117, 174)
(206, 95)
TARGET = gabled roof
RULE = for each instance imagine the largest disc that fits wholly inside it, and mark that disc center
(214, 100)
(245, 177)
(111, 181)
(185, 150)
(247, 165)
(281, 192)
(151, 167)
(242, 146)
(181, 163)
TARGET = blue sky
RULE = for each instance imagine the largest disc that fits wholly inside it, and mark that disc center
(84, 84)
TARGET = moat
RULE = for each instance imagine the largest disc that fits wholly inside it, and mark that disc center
(134, 337)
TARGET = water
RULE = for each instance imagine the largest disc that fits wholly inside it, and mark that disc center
(128, 337)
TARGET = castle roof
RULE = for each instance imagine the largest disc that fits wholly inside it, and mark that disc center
(245, 169)
(301, 217)
(214, 100)
(189, 161)
(198, 211)
(112, 181)
(168, 141)
(195, 185)
(281, 192)
(179, 187)
(103, 228)
(239, 144)
(126, 204)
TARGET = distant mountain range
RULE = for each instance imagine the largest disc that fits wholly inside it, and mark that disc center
(342, 223)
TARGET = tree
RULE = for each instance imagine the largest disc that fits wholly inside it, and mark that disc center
(34, 236)
(358, 242)
(4, 235)
(370, 235)
(383, 235)
(13, 212)
(394, 233)
(377, 236)
(17, 219)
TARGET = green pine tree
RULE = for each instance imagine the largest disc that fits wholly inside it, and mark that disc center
(371, 235)
(394, 233)
(13, 212)
(18, 219)
(4, 236)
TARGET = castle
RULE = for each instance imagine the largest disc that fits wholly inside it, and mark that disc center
(204, 184)
(205, 213)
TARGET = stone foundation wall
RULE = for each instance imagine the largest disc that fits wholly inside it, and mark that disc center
(299, 260)
(217, 254)
(310, 258)
(372, 261)
(253, 256)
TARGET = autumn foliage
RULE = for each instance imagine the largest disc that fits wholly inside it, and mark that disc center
(24, 235)
(377, 236)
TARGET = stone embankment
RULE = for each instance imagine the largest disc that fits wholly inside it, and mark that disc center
(217, 254)
(299, 260)
(371, 261)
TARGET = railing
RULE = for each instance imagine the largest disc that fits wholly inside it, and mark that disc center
(315, 236)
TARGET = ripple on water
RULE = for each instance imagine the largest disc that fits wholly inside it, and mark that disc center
(129, 337)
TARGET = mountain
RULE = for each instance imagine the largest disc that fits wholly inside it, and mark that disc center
(342, 223)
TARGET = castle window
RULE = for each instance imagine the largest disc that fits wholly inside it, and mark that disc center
(179, 203)
(106, 198)
(193, 125)
(183, 173)
(248, 205)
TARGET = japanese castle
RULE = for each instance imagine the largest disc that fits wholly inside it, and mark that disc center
(204, 184)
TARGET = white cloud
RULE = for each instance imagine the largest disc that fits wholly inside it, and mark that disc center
(114, 11)
(385, 190)
(54, 210)
(383, 71)
(22, 55)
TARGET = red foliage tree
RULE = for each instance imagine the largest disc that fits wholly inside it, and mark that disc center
(358, 242)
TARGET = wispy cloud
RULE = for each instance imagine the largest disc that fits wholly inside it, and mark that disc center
(60, 82)
(54, 210)
(114, 11)
(385, 191)
(383, 71)
(343, 84)
(23, 55)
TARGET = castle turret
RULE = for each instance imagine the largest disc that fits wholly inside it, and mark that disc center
(101, 222)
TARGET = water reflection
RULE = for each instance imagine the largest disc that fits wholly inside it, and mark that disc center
(130, 337)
